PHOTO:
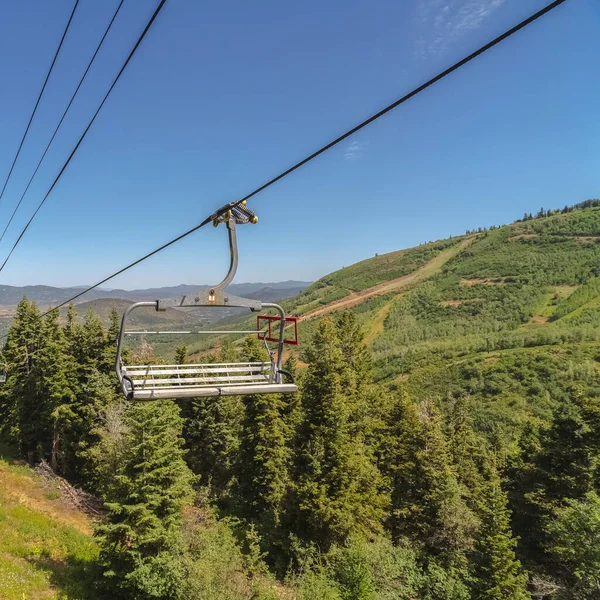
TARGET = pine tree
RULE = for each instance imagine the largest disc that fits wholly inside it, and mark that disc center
(90, 345)
(337, 490)
(212, 429)
(94, 398)
(90, 354)
(104, 455)
(465, 448)
(140, 543)
(567, 464)
(354, 351)
(498, 574)
(212, 432)
(574, 540)
(264, 457)
(17, 394)
(291, 410)
(227, 353)
(109, 354)
(71, 325)
(563, 464)
(54, 376)
(357, 373)
(427, 503)
(181, 355)
(114, 325)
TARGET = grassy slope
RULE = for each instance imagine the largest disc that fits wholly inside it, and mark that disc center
(45, 546)
(399, 284)
(376, 280)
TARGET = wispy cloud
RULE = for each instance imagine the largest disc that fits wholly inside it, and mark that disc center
(354, 150)
(443, 22)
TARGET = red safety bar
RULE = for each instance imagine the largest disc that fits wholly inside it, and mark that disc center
(268, 335)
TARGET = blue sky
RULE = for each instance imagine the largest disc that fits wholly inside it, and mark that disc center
(223, 96)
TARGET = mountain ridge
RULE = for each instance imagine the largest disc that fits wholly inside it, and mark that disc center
(46, 295)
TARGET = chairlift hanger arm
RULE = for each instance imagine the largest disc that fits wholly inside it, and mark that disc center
(233, 253)
(216, 295)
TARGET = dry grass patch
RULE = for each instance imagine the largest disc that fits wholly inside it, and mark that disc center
(564, 291)
(522, 236)
(482, 281)
(45, 552)
(459, 302)
(587, 240)
(20, 485)
(539, 319)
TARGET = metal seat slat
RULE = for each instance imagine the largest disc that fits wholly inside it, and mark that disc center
(192, 380)
(192, 365)
(198, 369)
(198, 392)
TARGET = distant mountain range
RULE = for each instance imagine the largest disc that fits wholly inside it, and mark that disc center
(45, 295)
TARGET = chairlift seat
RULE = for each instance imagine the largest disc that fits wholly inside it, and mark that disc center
(147, 382)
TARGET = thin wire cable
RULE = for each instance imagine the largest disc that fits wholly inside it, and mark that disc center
(416, 91)
(62, 119)
(62, 39)
(156, 12)
(398, 102)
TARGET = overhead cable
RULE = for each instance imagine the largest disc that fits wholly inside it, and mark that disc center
(62, 39)
(66, 164)
(62, 118)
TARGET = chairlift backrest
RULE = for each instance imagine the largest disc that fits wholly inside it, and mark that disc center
(148, 382)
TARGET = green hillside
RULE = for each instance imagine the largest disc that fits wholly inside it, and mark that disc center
(525, 284)
(365, 274)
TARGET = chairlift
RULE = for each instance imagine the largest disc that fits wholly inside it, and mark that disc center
(149, 382)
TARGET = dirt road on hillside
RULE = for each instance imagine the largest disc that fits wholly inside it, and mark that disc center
(395, 285)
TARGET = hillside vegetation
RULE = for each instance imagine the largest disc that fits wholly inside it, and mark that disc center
(526, 284)
(444, 443)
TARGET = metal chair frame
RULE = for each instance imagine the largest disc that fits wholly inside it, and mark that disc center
(148, 382)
